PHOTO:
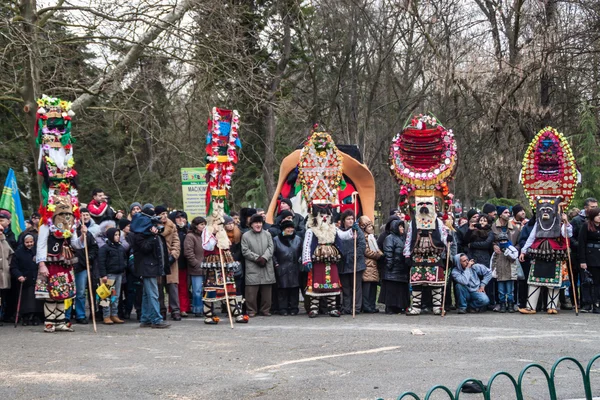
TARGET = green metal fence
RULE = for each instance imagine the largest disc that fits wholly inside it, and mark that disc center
(517, 383)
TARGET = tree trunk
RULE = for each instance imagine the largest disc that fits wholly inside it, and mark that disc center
(31, 82)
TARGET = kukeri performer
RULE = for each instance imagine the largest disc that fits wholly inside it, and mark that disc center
(426, 242)
(320, 256)
(59, 212)
(549, 177)
(547, 248)
(222, 142)
(56, 257)
(423, 159)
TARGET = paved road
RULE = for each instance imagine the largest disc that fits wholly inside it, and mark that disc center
(294, 357)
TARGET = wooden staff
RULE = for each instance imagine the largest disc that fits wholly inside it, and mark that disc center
(445, 280)
(89, 278)
(19, 304)
(570, 265)
(354, 194)
(225, 287)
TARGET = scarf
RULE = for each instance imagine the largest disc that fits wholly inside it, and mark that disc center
(372, 242)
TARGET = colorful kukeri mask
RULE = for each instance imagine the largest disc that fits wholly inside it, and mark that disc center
(425, 215)
(63, 214)
(548, 217)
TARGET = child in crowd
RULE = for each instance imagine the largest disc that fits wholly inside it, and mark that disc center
(111, 265)
(504, 269)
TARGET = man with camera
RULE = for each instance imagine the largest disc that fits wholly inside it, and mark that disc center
(151, 261)
(471, 280)
(99, 207)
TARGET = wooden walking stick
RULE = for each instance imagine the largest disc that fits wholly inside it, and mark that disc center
(225, 287)
(354, 194)
(570, 265)
(445, 280)
(89, 278)
(19, 304)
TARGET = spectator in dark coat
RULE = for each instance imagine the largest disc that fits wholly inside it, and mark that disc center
(395, 293)
(151, 260)
(589, 253)
(462, 233)
(346, 266)
(24, 271)
(577, 222)
(286, 255)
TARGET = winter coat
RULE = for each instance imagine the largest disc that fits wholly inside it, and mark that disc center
(194, 253)
(472, 278)
(255, 245)
(480, 246)
(11, 239)
(6, 255)
(371, 257)
(286, 255)
(150, 255)
(396, 269)
(589, 247)
(101, 212)
(386, 231)
(298, 223)
(462, 235)
(511, 230)
(111, 259)
(23, 264)
(577, 222)
(504, 266)
(236, 245)
(92, 249)
(346, 266)
(174, 247)
(181, 233)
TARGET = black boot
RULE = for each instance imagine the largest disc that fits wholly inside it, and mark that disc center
(502, 308)
(511, 307)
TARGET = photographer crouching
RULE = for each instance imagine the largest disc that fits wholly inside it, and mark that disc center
(151, 261)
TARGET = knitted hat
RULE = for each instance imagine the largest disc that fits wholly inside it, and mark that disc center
(285, 214)
(160, 209)
(123, 223)
(488, 208)
(135, 204)
(148, 205)
(287, 224)
(227, 220)
(110, 234)
(256, 218)
(517, 208)
(181, 214)
(4, 214)
(501, 209)
(471, 213)
(287, 201)
(393, 211)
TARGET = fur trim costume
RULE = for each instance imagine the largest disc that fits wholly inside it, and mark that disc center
(423, 159)
(59, 212)
(549, 177)
(320, 174)
(221, 157)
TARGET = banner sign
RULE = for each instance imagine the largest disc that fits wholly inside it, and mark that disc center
(193, 187)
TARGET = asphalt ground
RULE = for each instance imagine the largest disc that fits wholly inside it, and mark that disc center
(295, 357)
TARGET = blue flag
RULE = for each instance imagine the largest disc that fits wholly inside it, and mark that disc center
(11, 201)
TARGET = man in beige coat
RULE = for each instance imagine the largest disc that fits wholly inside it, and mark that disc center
(172, 280)
(257, 249)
